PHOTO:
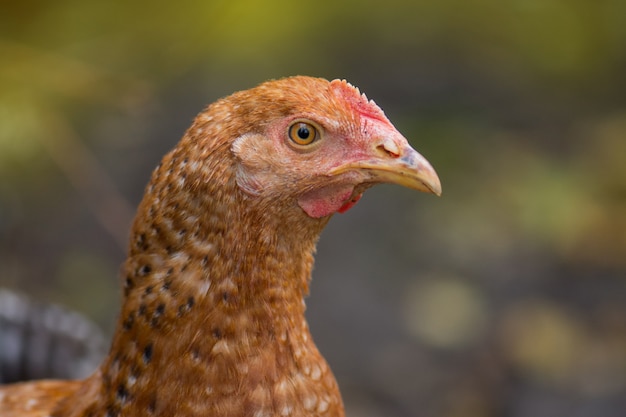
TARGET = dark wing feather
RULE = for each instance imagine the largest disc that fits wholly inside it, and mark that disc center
(45, 341)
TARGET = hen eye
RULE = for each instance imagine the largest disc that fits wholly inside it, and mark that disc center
(303, 133)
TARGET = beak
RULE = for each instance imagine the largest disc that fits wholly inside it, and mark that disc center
(396, 163)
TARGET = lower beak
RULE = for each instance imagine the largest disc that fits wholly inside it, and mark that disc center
(404, 167)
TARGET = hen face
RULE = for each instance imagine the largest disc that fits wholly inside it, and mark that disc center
(323, 144)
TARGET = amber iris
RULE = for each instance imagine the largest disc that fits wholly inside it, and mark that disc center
(303, 133)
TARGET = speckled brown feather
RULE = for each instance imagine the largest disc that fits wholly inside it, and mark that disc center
(212, 321)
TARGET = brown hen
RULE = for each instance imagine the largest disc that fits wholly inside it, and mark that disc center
(221, 251)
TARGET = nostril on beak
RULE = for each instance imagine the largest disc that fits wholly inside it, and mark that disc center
(389, 148)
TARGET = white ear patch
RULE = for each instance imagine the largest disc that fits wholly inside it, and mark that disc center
(249, 154)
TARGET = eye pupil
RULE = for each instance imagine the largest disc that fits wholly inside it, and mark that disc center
(303, 132)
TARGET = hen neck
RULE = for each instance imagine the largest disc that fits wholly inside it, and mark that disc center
(212, 321)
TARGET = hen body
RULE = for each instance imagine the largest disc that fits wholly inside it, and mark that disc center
(220, 258)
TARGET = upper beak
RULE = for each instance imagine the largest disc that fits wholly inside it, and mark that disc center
(397, 163)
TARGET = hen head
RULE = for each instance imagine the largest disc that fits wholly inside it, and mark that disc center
(323, 143)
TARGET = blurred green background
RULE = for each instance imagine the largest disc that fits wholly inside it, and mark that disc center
(504, 297)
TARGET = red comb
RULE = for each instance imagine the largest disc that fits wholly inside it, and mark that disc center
(357, 100)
